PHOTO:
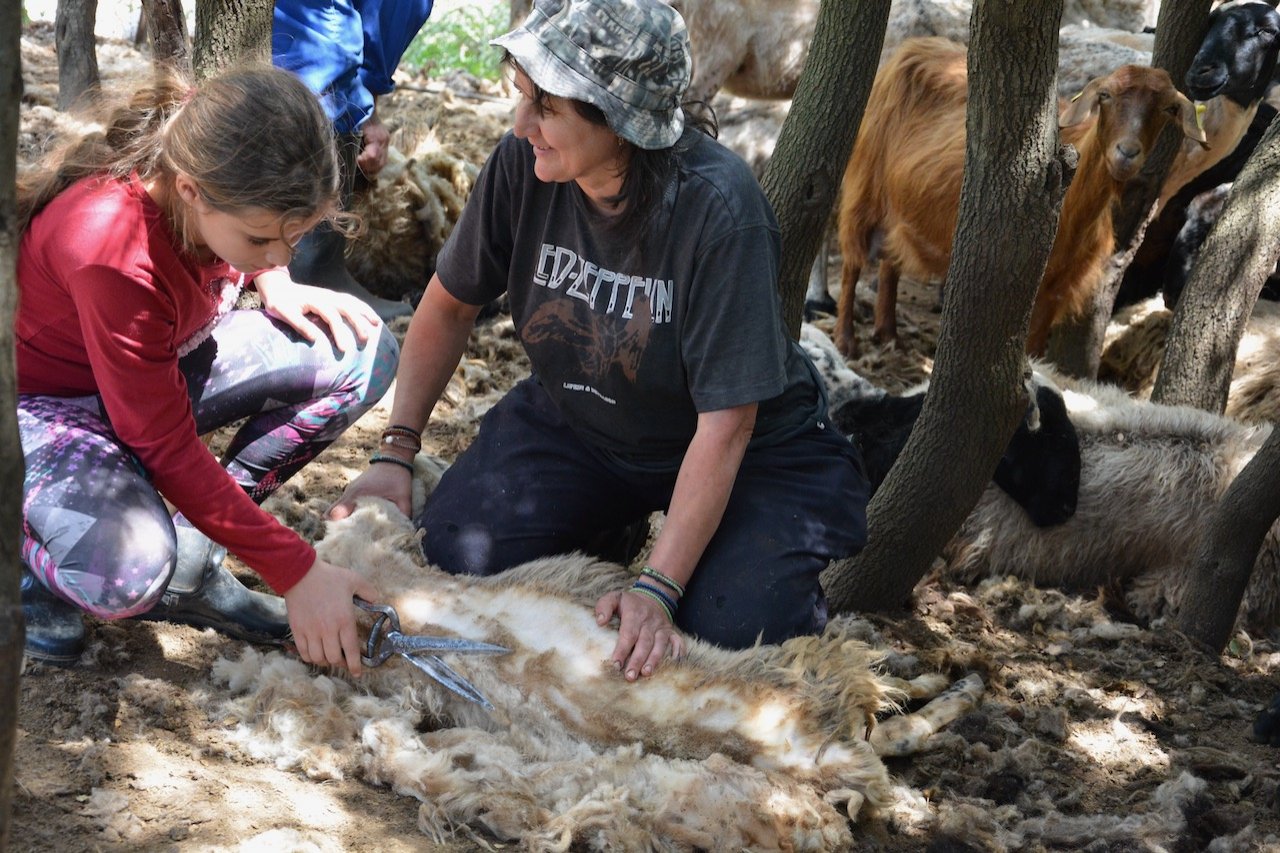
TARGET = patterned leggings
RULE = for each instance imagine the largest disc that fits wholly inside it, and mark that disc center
(97, 533)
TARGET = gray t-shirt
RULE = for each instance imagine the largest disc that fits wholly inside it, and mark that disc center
(632, 342)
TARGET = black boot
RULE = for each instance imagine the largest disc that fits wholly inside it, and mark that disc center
(55, 628)
(320, 257)
(204, 593)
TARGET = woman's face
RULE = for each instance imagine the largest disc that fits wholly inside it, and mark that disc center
(567, 147)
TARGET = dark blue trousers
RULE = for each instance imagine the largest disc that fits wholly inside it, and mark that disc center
(529, 487)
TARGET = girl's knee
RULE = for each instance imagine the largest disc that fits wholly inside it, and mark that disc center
(114, 574)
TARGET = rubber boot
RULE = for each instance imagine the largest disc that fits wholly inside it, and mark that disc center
(204, 593)
(320, 257)
(55, 628)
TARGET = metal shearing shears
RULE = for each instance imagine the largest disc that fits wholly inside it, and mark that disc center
(386, 639)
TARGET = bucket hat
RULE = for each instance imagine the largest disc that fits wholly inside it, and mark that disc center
(630, 58)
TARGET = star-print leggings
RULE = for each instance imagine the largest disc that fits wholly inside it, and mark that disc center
(88, 506)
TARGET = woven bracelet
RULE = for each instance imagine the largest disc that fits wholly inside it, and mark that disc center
(404, 430)
(668, 606)
(651, 572)
(378, 457)
(402, 441)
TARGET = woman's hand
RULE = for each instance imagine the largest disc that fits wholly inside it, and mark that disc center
(645, 634)
(381, 479)
(350, 321)
(323, 617)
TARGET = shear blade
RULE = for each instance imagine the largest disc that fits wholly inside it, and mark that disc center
(445, 675)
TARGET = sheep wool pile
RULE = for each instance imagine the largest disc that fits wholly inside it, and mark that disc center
(762, 749)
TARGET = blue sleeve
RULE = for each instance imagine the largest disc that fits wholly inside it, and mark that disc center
(389, 27)
(345, 50)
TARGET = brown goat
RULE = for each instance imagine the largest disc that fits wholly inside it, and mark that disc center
(904, 178)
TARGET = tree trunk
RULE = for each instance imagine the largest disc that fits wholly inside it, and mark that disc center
(167, 28)
(1235, 260)
(805, 171)
(11, 467)
(229, 32)
(1226, 555)
(1014, 183)
(1076, 344)
(77, 52)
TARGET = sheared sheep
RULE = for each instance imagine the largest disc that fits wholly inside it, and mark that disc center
(911, 191)
(762, 748)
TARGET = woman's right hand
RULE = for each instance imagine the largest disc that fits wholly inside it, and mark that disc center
(323, 616)
(380, 479)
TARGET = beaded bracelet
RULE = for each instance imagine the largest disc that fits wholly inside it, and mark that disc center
(650, 571)
(668, 606)
(403, 430)
(378, 457)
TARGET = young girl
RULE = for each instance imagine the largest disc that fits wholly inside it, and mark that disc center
(135, 244)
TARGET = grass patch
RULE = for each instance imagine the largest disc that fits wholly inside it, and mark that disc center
(458, 37)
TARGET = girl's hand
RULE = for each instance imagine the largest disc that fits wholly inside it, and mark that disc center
(323, 617)
(381, 479)
(645, 635)
(350, 321)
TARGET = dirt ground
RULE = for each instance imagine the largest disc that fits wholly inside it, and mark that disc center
(1084, 719)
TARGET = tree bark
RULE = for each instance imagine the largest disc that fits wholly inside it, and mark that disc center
(1235, 260)
(808, 162)
(230, 32)
(1014, 182)
(519, 11)
(1226, 555)
(12, 629)
(1076, 344)
(77, 51)
(167, 28)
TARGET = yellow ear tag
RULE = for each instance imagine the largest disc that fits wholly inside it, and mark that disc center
(1201, 106)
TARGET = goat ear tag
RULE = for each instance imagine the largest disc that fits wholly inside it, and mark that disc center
(1201, 106)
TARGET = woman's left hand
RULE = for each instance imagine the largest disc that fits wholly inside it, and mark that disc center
(645, 634)
(350, 321)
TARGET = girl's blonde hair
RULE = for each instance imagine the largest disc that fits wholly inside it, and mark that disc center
(250, 137)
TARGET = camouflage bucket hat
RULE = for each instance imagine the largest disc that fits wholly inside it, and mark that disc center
(630, 58)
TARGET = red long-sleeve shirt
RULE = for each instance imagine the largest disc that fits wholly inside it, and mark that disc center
(106, 302)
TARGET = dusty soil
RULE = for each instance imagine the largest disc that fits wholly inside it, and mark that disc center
(1084, 718)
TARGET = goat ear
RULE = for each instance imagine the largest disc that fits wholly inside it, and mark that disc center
(1082, 105)
(1189, 114)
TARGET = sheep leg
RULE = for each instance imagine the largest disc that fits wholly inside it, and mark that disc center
(886, 330)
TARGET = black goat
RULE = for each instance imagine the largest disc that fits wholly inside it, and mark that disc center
(1236, 64)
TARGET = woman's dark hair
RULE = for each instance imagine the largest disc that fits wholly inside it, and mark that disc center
(648, 171)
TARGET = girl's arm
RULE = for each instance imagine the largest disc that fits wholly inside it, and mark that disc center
(701, 494)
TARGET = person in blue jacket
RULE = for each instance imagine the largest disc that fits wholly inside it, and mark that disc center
(346, 51)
